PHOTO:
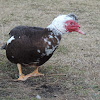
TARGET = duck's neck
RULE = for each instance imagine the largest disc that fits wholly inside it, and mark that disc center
(56, 33)
(55, 30)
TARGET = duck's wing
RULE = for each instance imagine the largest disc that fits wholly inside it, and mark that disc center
(24, 30)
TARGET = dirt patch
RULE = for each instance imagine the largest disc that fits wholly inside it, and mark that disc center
(48, 87)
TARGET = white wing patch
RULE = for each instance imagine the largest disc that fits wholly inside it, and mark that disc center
(45, 39)
(12, 56)
(49, 42)
(43, 54)
(57, 39)
(50, 36)
(50, 51)
(38, 51)
(11, 39)
(47, 46)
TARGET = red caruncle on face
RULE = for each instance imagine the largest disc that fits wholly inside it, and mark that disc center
(71, 26)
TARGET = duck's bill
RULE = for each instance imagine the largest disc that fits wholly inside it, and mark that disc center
(81, 32)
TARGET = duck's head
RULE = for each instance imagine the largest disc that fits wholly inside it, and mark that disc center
(67, 23)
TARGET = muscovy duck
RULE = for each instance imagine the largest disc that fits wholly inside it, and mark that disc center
(35, 45)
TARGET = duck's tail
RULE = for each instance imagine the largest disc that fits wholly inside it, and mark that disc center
(4, 47)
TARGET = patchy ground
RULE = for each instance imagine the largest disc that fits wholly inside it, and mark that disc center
(78, 56)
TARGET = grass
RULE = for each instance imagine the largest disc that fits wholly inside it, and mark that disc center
(62, 49)
(77, 56)
(10, 98)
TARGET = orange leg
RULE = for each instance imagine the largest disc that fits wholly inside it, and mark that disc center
(35, 73)
(23, 77)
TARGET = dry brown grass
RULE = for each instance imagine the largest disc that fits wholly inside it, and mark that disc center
(78, 56)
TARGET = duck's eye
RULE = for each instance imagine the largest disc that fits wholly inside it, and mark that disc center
(72, 23)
